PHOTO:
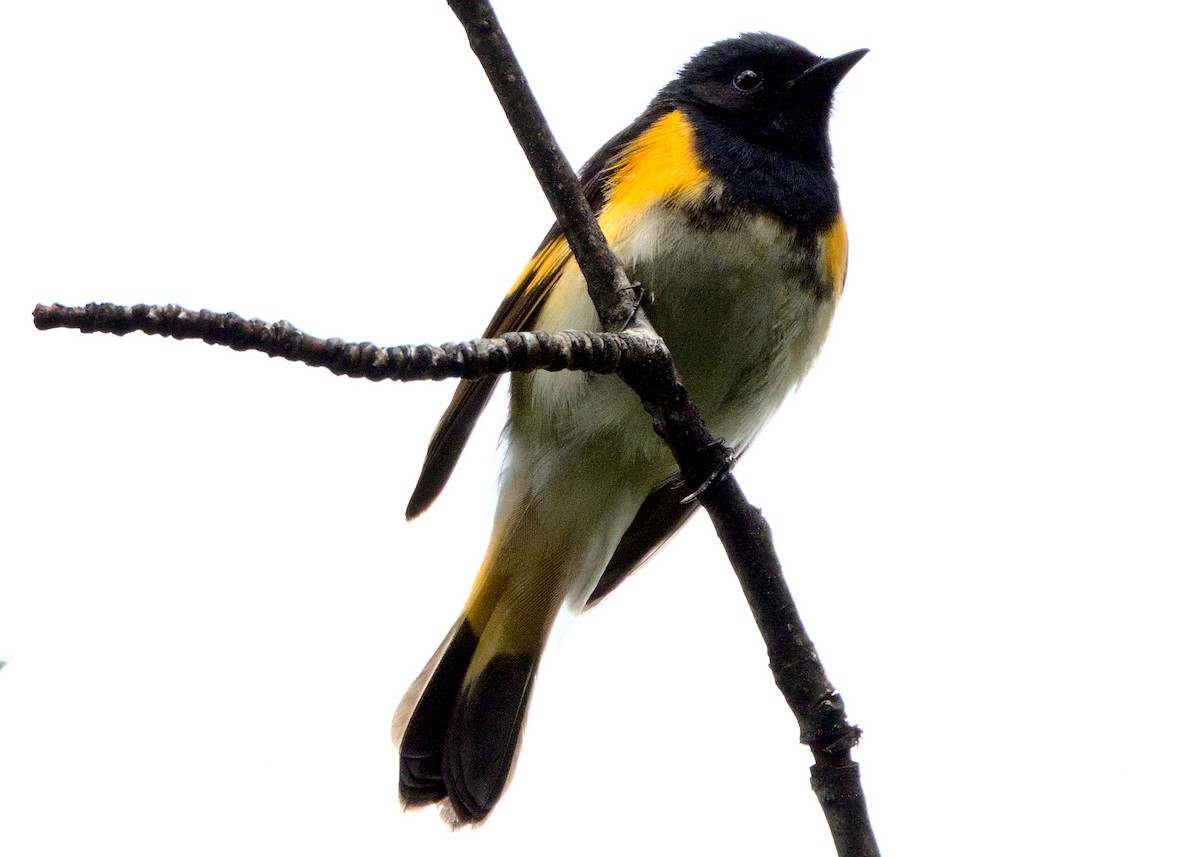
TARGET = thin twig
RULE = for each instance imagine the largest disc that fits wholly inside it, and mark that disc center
(616, 304)
(585, 351)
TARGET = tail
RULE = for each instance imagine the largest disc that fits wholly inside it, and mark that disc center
(459, 726)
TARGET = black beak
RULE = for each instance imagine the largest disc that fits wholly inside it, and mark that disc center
(827, 74)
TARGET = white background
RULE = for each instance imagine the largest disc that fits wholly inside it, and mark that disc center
(985, 494)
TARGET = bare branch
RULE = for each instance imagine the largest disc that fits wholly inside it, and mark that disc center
(616, 303)
(601, 353)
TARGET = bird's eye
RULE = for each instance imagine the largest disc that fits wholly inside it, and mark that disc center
(747, 81)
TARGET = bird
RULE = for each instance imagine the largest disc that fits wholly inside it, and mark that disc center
(720, 202)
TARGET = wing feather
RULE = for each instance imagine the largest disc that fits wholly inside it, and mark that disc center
(659, 518)
(517, 312)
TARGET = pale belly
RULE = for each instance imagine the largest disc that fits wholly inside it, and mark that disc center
(743, 313)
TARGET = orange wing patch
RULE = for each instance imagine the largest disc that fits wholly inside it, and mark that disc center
(833, 246)
(540, 271)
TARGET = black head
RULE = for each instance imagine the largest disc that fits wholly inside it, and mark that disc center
(766, 89)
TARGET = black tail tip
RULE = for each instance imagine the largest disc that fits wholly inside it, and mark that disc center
(420, 781)
(485, 734)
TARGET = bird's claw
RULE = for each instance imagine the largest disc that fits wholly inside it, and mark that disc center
(645, 300)
(718, 475)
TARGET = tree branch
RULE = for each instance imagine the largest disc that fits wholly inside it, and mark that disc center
(601, 353)
(616, 303)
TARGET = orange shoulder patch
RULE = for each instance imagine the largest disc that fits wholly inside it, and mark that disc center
(660, 163)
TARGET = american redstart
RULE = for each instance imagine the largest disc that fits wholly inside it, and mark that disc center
(720, 201)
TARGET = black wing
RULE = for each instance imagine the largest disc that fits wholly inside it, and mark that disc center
(517, 312)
